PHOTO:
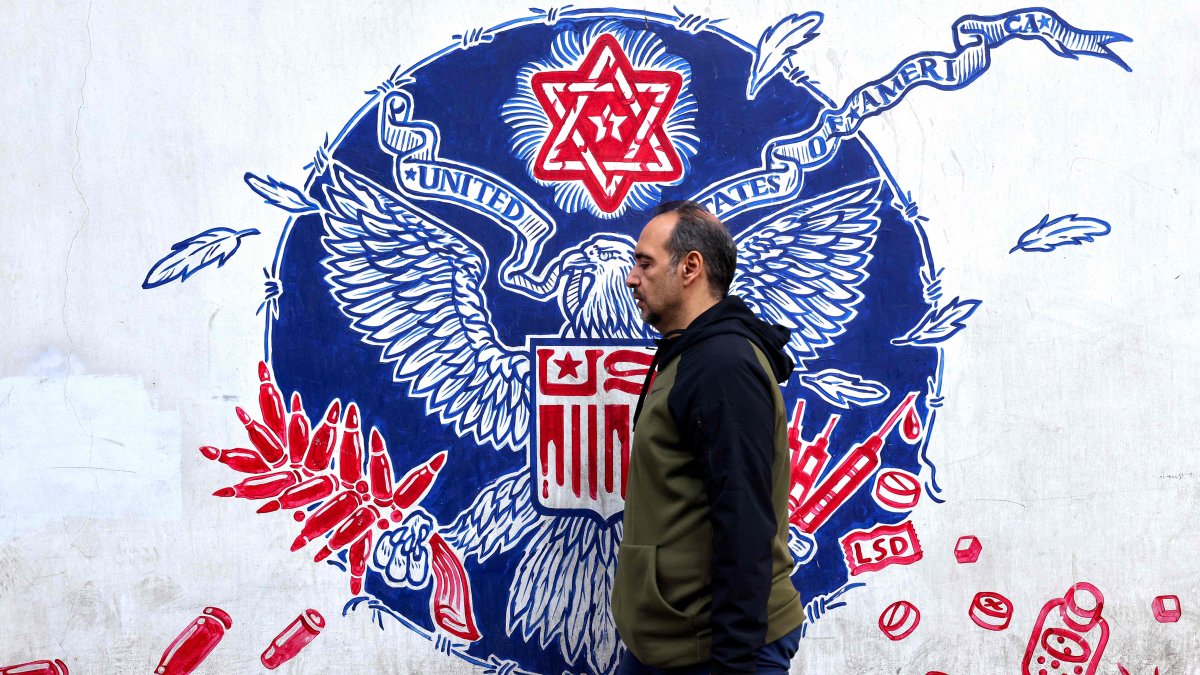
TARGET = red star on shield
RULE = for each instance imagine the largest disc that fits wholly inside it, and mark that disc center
(607, 123)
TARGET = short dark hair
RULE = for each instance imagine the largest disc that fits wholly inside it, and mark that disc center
(698, 230)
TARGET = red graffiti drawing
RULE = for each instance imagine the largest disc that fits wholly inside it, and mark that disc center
(346, 503)
(967, 549)
(585, 398)
(808, 459)
(871, 550)
(1069, 636)
(1166, 608)
(1125, 671)
(991, 611)
(301, 631)
(607, 122)
(850, 473)
(897, 490)
(899, 620)
(189, 649)
(54, 667)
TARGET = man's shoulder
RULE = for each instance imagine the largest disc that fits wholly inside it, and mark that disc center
(721, 352)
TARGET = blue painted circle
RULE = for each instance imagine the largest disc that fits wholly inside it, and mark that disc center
(314, 350)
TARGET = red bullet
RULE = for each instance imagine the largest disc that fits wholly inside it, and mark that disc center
(320, 445)
(359, 552)
(302, 494)
(379, 470)
(195, 643)
(261, 486)
(417, 482)
(350, 454)
(301, 631)
(54, 667)
(244, 460)
(270, 402)
(325, 518)
(298, 428)
(353, 527)
(263, 438)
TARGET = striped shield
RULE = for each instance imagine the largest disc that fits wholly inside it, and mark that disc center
(584, 401)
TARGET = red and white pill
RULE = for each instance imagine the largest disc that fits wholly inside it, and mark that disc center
(991, 611)
(897, 490)
(899, 620)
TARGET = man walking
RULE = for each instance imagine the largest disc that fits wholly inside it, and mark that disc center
(703, 576)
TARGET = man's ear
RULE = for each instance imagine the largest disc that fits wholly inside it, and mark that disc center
(692, 267)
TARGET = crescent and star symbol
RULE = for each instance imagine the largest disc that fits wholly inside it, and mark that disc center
(607, 124)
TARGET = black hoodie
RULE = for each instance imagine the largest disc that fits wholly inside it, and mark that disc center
(704, 570)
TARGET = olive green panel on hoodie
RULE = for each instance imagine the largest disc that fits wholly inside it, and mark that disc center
(663, 593)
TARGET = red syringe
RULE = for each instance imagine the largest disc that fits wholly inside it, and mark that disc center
(849, 475)
(808, 459)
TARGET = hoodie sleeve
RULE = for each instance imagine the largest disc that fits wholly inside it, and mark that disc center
(729, 416)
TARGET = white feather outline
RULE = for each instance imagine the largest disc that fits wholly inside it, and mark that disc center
(280, 194)
(193, 254)
(842, 389)
(939, 324)
(777, 44)
(1049, 234)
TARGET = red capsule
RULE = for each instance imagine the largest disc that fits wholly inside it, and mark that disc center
(350, 452)
(261, 486)
(321, 444)
(270, 402)
(379, 470)
(263, 438)
(301, 631)
(244, 460)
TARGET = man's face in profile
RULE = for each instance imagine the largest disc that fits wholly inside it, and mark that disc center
(655, 282)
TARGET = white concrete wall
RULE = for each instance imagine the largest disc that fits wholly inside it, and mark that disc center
(1067, 442)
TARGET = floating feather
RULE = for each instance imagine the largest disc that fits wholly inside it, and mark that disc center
(822, 604)
(1048, 234)
(191, 255)
(845, 389)
(777, 44)
(280, 194)
(939, 324)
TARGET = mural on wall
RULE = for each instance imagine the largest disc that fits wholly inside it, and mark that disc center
(451, 277)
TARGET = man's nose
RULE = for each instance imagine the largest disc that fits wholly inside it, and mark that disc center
(631, 278)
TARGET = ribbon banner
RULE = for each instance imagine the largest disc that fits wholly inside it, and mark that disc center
(420, 172)
(785, 159)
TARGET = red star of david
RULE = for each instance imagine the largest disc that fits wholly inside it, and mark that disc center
(607, 121)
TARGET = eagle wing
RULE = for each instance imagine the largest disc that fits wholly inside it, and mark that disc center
(413, 286)
(802, 267)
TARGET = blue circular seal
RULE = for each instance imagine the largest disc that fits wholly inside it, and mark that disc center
(461, 282)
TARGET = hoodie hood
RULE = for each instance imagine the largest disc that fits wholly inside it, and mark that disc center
(731, 315)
